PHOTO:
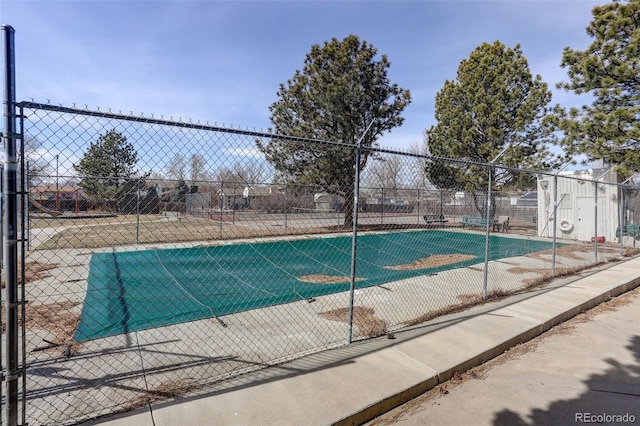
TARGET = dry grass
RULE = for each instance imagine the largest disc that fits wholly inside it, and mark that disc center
(55, 318)
(547, 275)
(326, 279)
(569, 252)
(611, 305)
(66, 220)
(466, 301)
(33, 271)
(119, 231)
(628, 252)
(470, 300)
(418, 404)
(166, 390)
(432, 262)
(363, 317)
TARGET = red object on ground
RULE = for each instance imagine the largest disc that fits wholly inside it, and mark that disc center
(600, 239)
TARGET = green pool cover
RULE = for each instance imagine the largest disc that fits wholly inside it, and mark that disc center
(137, 290)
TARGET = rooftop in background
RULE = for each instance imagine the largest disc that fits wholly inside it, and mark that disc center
(47, 189)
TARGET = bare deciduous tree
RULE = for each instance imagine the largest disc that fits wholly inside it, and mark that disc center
(245, 173)
(177, 167)
(197, 169)
(38, 168)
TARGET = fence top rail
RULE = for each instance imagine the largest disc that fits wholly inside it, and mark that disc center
(164, 122)
(548, 173)
(267, 135)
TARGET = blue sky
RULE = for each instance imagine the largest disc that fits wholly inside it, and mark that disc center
(222, 61)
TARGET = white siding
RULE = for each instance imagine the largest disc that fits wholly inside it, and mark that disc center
(577, 205)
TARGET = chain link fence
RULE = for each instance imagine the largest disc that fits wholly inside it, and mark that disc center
(146, 257)
(199, 262)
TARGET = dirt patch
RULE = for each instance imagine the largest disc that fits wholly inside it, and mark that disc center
(326, 279)
(54, 318)
(628, 252)
(432, 262)
(33, 271)
(546, 274)
(470, 298)
(166, 390)
(569, 252)
(466, 301)
(363, 317)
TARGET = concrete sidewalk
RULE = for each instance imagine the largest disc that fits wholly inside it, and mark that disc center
(352, 385)
(585, 370)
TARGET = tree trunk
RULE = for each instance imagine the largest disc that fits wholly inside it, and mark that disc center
(348, 206)
(481, 207)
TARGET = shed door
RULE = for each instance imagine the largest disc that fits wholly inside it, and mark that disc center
(585, 221)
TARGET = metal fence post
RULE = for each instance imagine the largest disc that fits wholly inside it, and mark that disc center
(354, 238)
(418, 208)
(595, 220)
(221, 206)
(621, 198)
(286, 210)
(555, 225)
(233, 205)
(27, 192)
(10, 242)
(25, 188)
(382, 209)
(489, 220)
(138, 212)
(487, 216)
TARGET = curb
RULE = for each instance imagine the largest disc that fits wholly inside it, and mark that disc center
(389, 403)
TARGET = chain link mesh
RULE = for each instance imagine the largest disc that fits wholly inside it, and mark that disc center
(188, 260)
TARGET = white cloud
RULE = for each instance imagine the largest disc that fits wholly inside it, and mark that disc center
(245, 152)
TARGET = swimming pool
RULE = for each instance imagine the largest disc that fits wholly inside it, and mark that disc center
(137, 290)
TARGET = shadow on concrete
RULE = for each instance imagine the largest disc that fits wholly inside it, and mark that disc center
(613, 397)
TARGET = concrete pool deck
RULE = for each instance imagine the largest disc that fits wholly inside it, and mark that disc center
(353, 384)
(108, 374)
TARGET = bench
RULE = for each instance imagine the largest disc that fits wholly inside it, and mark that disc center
(632, 229)
(474, 221)
(501, 224)
(434, 218)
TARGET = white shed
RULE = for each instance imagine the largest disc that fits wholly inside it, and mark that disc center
(578, 206)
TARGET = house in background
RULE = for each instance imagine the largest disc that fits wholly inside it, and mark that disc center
(58, 198)
(209, 198)
(530, 199)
